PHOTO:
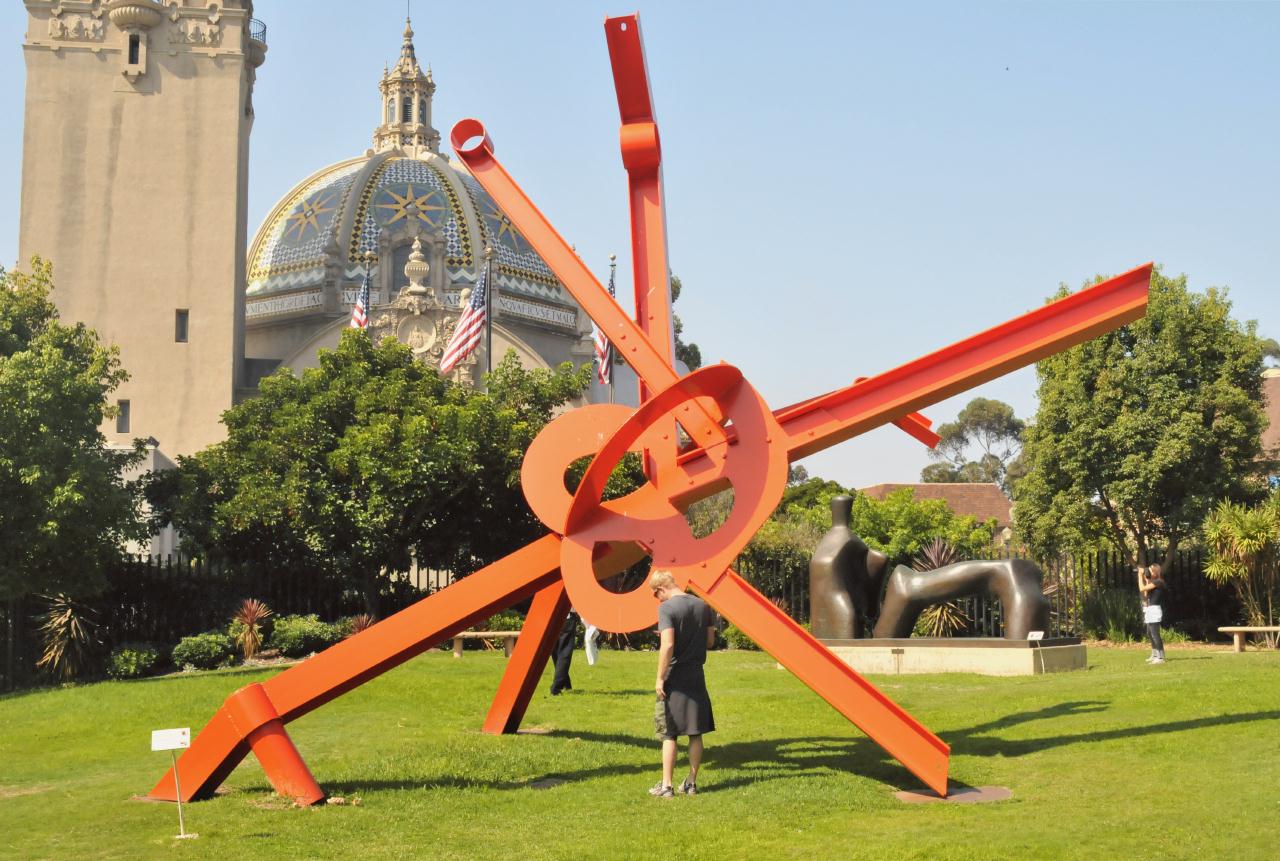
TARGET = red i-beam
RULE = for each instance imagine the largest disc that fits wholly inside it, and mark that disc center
(733, 439)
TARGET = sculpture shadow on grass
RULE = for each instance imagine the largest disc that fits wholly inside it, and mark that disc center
(762, 760)
(976, 742)
(749, 762)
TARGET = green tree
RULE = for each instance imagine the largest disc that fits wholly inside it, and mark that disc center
(689, 353)
(1142, 430)
(992, 429)
(1271, 349)
(67, 510)
(361, 465)
(901, 526)
(809, 493)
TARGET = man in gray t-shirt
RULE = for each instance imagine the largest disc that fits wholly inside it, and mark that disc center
(686, 628)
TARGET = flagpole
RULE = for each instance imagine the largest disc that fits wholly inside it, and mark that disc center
(613, 265)
(488, 306)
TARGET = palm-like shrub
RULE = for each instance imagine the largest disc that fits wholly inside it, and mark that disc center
(1244, 546)
(246, 626)
(362, 622)
(944, 619)
(70, 638)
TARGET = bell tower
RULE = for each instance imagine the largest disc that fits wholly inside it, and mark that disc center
(134, 184)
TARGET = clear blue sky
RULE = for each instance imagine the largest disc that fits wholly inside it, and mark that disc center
(849, 185)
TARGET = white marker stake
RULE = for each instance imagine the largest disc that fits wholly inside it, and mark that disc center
(173, 740)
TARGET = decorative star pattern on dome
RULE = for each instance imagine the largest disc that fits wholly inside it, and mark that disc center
(291, 243)
(428, 207)
(501, 228)
(434, 203)
(308, 213)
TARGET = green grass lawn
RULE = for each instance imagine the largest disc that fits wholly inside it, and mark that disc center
(1120, 761)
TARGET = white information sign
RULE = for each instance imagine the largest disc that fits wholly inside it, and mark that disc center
(171, 739)
(1035, 635)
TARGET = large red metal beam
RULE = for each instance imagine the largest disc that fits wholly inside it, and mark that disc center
(823, 422)
(225, 740)
(642, 158)
(472, 143)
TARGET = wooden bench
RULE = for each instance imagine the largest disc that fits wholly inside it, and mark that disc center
(1239, 633)
(508, 640)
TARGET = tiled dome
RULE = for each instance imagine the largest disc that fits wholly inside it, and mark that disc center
(336, 215)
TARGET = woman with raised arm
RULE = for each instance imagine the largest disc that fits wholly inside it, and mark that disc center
(1152, 588)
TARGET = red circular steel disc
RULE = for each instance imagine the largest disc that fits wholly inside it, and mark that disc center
(752, 460)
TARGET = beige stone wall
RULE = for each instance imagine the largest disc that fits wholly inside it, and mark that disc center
(134, 186)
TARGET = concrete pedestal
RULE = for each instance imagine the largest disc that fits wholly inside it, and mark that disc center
(984, 655)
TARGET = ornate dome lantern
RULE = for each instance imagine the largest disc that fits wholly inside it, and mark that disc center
(406, 103)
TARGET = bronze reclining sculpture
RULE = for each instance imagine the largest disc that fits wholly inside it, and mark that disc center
(844, 576)
(1016, 582)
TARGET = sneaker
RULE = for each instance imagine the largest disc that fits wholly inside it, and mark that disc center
(1157, 660)
(1151, 659)
(688, 787)
(658, 790)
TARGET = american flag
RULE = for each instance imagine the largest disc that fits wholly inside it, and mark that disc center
(360, 311)
(604, 352)
(466, 337)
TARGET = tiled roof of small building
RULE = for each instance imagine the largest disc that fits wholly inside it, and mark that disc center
(983, 501)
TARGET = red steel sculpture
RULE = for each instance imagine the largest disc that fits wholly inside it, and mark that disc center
(731, 438)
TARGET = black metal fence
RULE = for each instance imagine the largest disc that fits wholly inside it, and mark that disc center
(161, 601)
(1088, 592)
(787, 587)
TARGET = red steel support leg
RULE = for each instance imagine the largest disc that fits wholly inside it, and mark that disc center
(253, 713)
(887, 723)
(542, 626)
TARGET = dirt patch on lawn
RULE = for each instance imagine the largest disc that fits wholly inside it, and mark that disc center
(18, 791)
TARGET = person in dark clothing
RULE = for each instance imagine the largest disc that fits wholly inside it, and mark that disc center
(563, 654)
(1152, 587)
(686, 629)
